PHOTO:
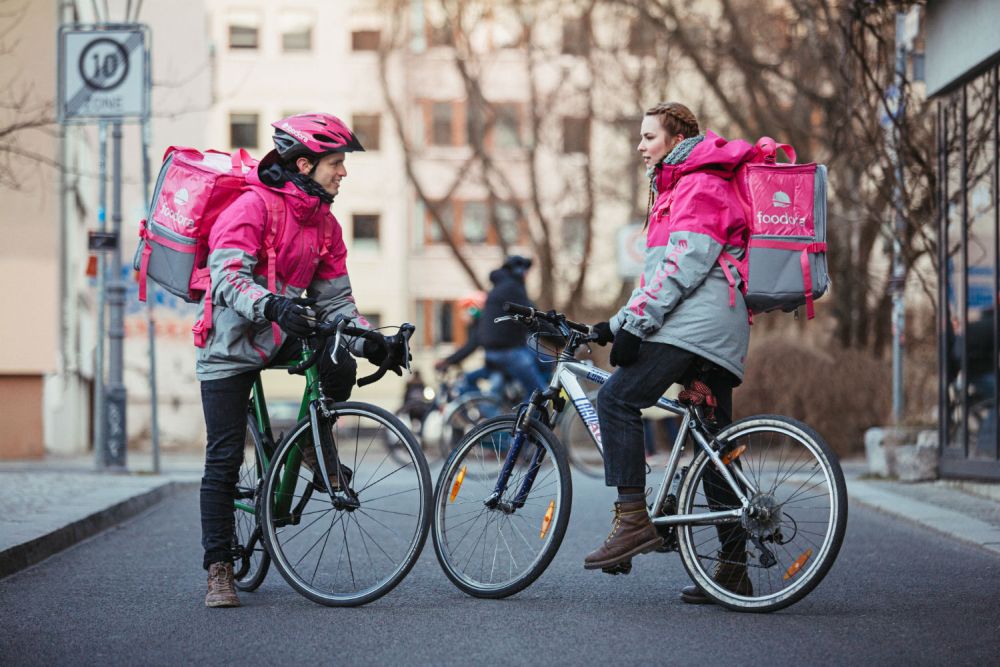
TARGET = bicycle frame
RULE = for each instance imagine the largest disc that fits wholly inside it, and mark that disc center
(565, 378)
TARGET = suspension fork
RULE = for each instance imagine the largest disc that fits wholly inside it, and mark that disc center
(521, 425)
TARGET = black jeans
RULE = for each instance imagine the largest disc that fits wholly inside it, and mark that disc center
(630, 389)
(224, 403)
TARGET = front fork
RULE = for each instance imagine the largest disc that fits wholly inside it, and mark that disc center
(521, 425)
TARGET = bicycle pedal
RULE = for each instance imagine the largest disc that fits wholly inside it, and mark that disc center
(618, 568)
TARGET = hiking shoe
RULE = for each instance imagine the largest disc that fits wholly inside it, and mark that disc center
(221, 586)
(730, 575)
(632, 533)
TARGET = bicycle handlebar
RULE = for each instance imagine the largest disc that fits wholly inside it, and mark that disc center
(552, 317)
(340, 327)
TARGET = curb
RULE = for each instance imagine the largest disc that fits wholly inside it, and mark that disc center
(34, 551)
(947, 522)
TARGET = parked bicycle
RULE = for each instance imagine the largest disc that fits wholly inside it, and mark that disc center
(502, 502)
(344, 522)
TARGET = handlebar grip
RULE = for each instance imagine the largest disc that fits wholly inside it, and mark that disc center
(518, 309)
(300, 368)
(576, 326)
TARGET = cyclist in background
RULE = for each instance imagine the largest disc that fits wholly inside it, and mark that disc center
(470, 308)
(684, 322)
(506, 342)
(252, 327)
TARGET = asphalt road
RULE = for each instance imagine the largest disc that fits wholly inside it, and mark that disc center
(898, 594)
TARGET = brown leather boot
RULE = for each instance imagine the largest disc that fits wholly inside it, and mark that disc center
(221, 586)
(729, 574)
(632, 533)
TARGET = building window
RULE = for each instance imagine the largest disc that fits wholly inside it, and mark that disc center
(441, 134)
(366, 126)
(436, 323)
(437, 34)
(365, 230)
(446, 211)
(508, 223)
(296, 32)
(576, 36)
(642, 38)
(576, 135)
(244, 30)
(508, 125)
(574, 233)
(243, 130)
(474, 222)
(365, 40)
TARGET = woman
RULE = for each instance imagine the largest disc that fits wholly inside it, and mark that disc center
(684, 321)
(253, 327)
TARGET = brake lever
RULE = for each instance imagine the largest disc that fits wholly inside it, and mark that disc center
(504, 318)
(341, 323)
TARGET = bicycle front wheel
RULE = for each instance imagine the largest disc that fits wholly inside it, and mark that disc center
(251, 558)
(779, 550)
(356, 546)
(495, 547)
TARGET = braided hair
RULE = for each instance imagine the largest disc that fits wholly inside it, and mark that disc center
(675, 118)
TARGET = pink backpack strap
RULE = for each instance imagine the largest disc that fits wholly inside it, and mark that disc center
(725, 259)
(147, 250)
(240, 158)
(276, 218)
(204, 325)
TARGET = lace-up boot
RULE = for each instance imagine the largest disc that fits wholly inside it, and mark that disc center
(221, 586)
(632, 533)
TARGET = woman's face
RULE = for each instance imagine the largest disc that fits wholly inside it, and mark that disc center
(654, 144)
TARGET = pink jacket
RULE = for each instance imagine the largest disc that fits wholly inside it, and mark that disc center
(303, 251)
(685, 297)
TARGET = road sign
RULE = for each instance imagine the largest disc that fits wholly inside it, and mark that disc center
(103, 72)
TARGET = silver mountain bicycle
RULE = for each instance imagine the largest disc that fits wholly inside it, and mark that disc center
(502, 501)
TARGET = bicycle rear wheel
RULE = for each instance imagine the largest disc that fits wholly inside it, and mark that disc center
(493, 551)
(252, 559)
(799, 520)
(465, 413)
(357, 546)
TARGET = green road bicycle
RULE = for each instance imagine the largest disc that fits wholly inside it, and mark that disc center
(502, 501)
(340, 504)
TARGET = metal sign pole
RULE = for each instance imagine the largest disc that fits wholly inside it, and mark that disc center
(150, 320)
(116, 396)
(102, 201)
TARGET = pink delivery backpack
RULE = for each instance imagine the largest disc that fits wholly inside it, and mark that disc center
(192, 189)
(785, 203)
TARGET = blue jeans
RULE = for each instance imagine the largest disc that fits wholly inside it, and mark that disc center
(519, 363)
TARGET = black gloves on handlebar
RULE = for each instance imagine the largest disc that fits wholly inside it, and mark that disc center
(602, 332)
(377, 347)
(294, 316)
(625, 350)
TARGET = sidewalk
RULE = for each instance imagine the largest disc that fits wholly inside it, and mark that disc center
(52, 504)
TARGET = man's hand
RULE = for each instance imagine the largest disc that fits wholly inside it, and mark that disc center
(625, 349)
(602, 331)
(294, 316)
(377, 347)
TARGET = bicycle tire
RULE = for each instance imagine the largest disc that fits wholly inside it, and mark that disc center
(251, 570)
(575, 436)
(341, 588)
(795, 466)
(464, 414)
(481, 448)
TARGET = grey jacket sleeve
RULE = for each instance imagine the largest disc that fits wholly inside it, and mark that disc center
(233, 285)
(672, 273)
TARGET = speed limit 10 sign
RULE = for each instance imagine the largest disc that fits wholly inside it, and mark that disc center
(102, 73)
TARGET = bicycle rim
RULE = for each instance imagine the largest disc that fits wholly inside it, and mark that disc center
(252, 560)
(496, 552)
(789, 548)
(347, 556)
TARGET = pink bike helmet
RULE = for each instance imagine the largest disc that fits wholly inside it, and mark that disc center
(313, 135)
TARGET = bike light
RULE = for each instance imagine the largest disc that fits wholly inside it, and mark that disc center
(733, 455)
(458, 484)
(428, 394)
(547, 519)
(794, 568)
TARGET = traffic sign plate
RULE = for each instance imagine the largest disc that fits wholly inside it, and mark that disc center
(102, 73)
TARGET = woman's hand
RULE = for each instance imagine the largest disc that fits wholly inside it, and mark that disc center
(625, 349)
(602, 332)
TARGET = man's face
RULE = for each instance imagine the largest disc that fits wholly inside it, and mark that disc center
(330, 170)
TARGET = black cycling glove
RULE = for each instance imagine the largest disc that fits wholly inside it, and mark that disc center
(603, 332)
(377, 347)
(294, 316)
(625, 349)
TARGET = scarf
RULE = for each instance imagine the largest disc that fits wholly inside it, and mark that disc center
(679, 153)
(276, 176)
